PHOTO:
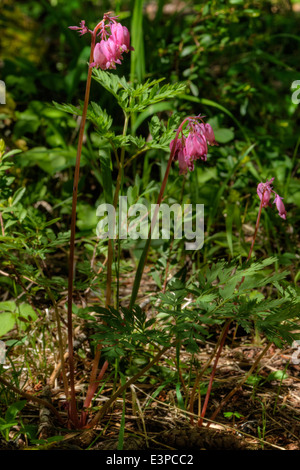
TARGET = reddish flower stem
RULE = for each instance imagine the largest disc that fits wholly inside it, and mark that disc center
(225, 332)
(73, 411)
(213, 374)
(254, 236)
(164, 183)
(94, 383)
(256, 228)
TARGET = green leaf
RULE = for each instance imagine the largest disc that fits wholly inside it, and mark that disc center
(179, 396)
(7, 322)
(18, 196)
(4, 425)
(99, 117)
(12, 314)
(7, 317)
(278, 375)
(227, 291)
(223, 135)
(254, 380)
(9, 306)
(69, 108)
(50, 161)
(14, 409)
(25, 314)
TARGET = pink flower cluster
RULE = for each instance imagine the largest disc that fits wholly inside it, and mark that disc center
(264, 191)
(194, 146)
(108, 52)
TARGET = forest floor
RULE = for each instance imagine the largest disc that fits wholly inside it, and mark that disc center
(264, 414)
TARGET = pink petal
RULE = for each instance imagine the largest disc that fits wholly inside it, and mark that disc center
(280, 206)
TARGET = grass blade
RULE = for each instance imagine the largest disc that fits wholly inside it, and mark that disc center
(137, 66)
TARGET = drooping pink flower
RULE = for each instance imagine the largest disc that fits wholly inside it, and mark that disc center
(121, 37)
(184, 163)
(209, 134)
(100, 59)
(280, 206)
(194, 146)
(264, 191)
(179, 144)
(179, 153)
(106, 54)
(207, 131)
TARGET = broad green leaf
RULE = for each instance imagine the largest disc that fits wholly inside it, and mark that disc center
(7, 322)
(223, 135)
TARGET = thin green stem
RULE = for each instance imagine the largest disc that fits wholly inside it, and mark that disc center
(59, 331)
(137, 154)
(94, 382)
(143, 258)
(115, 203)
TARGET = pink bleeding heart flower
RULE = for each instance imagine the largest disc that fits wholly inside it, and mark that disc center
(108, 52)
(209, 134)
(185, 160)
(184, 163)
(179, 144)
(106, 55)
(194, 146)
(100, 59)
(264, 191)
(121, 37)
(179, 154)
(207, 131)
(280, 206)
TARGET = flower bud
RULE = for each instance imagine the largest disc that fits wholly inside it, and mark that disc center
(280, 206)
